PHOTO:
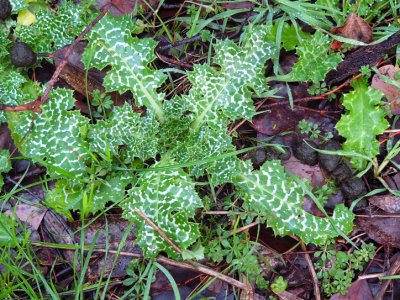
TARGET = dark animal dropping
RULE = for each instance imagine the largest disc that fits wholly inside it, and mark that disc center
(22, 55)
(305, 153)
(5, 9)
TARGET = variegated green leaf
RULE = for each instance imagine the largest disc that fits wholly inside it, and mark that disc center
(11, 89)
(363, 122)
(4, 43)
(55, 138)
(53, 29)
(64, 197)
(271, 194)
(219, 95)
(112, 44)
(315, 61)
(168, 199)
(228, 89)
(17, 5)
(203, 144)
(124, 127)
(5, 164)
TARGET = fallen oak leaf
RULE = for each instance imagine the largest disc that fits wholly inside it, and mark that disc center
(355, 28)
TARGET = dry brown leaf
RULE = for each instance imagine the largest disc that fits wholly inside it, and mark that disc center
(282, 118)
(388, 203)
(355, 28)
(28, 214)
(382, 227)
(391, 92)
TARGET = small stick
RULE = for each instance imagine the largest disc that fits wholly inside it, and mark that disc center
(394, 269)
(175, 62)
(162, 259)
(244, 228)
(33, 106)
(244, 120)
(179, 43)
(159, 231)
(201, 269)
(312, 271)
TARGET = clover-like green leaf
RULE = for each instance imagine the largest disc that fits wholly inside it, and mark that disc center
(363, 122)
(315, 61)
(53, 29)
(271, 194)
(56, 137)
(111, 44)
(168, 199)
(124, 127)
(5, 164)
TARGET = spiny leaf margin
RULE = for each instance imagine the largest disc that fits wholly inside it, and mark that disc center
(56, 137)
(271, 194)
(111, 44)
(168, 198)
(363, 122)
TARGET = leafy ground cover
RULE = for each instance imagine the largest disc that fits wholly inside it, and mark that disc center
(223, 149)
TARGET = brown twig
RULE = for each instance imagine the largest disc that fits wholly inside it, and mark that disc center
(394, 269)
(36, 171)
(32, 106)
(179, 43)
(164, 260)
(234, 128)
(317, 292)
(171, 61)
(244, 228)
(159, 231)
(204, 270)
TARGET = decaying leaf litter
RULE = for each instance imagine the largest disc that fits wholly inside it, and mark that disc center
(149, 149)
